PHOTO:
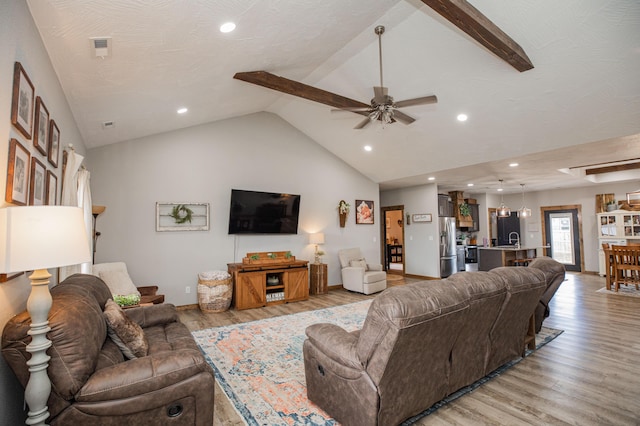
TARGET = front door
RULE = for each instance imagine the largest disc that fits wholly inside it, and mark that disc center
(562, 230)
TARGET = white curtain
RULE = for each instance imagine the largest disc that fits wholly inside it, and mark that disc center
(76, 191)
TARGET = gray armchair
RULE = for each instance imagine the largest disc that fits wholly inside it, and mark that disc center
(360, 276)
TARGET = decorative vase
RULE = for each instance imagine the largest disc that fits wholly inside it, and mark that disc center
(343, 220)
(611, 207)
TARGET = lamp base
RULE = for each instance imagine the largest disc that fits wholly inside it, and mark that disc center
(39, 385)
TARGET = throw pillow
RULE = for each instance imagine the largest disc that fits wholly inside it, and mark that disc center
(125, 333)
(118, 282)
(360, 263)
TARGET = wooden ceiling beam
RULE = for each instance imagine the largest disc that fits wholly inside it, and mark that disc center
(284, 85)
(611, 169)
(470, 20)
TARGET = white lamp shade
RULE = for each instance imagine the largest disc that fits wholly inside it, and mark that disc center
(42, 237)
(317, 238)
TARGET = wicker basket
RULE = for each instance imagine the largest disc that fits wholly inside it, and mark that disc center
(214, 295)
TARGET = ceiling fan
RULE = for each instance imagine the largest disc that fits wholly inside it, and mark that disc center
(382, 106)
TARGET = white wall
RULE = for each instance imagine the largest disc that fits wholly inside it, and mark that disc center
(202, 164)
(20, 41)
(421, 249)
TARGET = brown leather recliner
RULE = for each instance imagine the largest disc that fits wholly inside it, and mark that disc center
(92, 383)
(555, 274)
(420, 343)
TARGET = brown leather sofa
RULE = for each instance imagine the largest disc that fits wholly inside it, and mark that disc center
(420, 343)
(555, 273)
(93, 384)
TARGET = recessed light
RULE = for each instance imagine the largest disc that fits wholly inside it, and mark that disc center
(182, 110)
(514, 165)
(469, 184)
(431, 178)
(368, 148)
(462, 117)
(227, 27)
(499, 189)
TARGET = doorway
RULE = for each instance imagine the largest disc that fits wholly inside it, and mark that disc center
(393, 239)
(562, 232)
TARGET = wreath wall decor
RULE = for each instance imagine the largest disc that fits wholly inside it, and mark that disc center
(181, 213)
(182, 217)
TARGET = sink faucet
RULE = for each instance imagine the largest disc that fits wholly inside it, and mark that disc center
(517, 239)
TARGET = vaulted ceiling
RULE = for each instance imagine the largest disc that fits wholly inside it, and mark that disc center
(579, 106)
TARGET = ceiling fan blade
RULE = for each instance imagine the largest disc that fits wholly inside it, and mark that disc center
(352, 109)
(417, 101)
(402, 117)
(380, 93)
(362, 123)
(291, 87)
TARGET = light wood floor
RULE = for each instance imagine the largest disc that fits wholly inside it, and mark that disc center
(590, 375)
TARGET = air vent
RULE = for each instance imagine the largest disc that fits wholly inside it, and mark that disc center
(101, 46)
(108, 125)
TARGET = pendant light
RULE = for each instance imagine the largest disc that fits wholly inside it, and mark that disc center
(503, 211)
(523, 211)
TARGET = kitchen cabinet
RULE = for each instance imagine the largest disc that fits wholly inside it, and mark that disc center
(507, 225)
(445, 206)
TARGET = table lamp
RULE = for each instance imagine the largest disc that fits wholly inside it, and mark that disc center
(36, 238)
(317, 238)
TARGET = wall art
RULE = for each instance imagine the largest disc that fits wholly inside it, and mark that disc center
(37, 183)
(364, 212)
(53, 147)
(182, 217)
(51, 196)
(17, 190)
(41, 129)
(22, 103)
(422, 217)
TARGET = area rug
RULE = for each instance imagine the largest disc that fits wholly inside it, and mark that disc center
(625, 290)
(259, 365)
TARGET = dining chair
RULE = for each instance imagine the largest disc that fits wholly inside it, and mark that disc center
(626, 266)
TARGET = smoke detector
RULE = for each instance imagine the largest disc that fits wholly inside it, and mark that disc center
(101, 46)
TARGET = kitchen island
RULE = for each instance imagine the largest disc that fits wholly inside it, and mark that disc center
(494, 257)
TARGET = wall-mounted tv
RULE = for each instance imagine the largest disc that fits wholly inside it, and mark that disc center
(254, 212)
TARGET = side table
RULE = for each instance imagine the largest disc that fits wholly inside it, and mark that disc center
(318, 278)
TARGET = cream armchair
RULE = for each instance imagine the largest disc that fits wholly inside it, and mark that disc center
(360, 276)
(115, 275)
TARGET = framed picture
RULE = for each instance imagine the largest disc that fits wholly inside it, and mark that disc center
(51, 196)
(182, 217)
(364, 212)
(37, 185)
(17, 174)
(22, 103)
(41, 130)
(422, 217)
(53, 147)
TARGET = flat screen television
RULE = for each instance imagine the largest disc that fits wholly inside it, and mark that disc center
(254, 212)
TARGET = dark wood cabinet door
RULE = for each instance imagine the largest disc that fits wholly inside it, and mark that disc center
(506, 225)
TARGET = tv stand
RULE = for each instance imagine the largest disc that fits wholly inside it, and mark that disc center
(264, 284)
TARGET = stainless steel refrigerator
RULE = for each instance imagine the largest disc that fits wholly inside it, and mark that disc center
(448, 258)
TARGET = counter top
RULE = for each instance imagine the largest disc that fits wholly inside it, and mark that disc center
(512, 248)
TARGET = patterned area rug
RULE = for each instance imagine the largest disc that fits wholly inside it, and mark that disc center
(260, 366)
(625, 290)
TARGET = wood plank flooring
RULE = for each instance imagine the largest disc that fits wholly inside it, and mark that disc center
(590, 375)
